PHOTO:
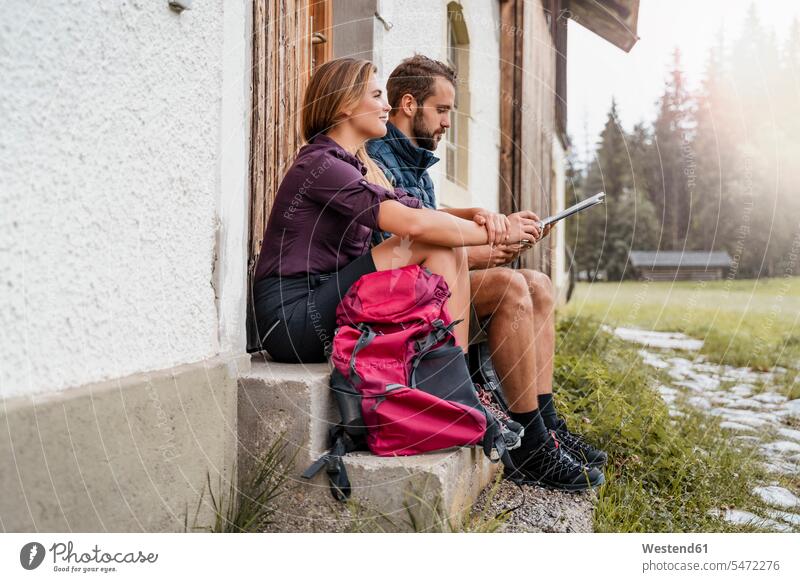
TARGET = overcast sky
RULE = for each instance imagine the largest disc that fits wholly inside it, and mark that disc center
(598, 70)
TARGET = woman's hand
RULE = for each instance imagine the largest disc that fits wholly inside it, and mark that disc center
(524, 226)
(497, 225)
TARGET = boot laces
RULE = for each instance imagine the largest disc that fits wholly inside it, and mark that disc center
(571, 439)
(561, 458)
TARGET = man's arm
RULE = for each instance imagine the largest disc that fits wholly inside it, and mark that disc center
(488, 256)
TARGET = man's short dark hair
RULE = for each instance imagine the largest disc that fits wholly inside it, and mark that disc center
(416, 76)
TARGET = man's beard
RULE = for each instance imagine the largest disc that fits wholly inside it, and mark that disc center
(425, 138)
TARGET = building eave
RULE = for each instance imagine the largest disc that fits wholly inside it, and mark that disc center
(613, 20)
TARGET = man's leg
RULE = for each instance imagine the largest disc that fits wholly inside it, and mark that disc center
(509, 298)
(543, 297)
(500, 292)
(540, 289)
(503, 294)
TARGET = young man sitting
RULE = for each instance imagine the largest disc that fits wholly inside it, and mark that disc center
(520, 303)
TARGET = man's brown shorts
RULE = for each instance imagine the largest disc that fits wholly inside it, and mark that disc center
(478, 329)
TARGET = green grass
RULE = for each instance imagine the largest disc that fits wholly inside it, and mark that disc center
(250, 509)
(752, 323)
(664, 474)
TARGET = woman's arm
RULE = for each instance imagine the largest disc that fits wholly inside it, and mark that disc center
(441, 228)
(465, 213)
(496, 224)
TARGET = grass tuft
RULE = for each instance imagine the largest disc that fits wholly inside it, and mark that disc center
(250, 509)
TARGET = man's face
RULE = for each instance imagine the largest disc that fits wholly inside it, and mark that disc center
(432, 118)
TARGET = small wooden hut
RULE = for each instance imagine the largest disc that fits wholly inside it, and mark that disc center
(680, 265)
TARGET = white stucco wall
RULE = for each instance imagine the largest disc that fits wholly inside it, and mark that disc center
(483, 23)
(422, 27)
(115, 172)
(559, 271)
(233, 185)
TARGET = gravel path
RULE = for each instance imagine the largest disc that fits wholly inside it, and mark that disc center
(543, 510)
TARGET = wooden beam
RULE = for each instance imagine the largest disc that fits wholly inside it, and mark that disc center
(511, 45)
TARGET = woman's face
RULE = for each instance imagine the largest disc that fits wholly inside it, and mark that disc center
(369, 116)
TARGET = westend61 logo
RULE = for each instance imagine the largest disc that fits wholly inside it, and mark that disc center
(65, 559)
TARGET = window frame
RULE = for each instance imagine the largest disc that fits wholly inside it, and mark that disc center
(457, 142)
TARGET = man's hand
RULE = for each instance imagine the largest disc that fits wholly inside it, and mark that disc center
(524, 226)
(488, 256)
(533, 216)
(497, 225)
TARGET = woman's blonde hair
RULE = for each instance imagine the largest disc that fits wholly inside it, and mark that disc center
(374, 173)
(335, 86)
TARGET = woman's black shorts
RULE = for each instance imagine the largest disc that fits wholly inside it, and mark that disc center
(296, 316)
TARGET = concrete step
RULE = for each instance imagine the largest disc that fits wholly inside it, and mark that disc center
(294, 399)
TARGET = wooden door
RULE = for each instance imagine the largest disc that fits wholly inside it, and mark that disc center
(289, 37)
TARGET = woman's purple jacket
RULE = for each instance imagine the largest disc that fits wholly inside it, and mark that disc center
(324, 213)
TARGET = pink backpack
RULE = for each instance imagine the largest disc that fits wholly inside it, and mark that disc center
(401, 383)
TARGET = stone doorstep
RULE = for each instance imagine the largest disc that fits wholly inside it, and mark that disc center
(295, 399)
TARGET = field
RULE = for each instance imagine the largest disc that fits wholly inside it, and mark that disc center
(753, 323)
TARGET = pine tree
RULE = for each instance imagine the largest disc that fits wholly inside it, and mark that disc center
(717, 169)
(642, 149)
(605, 236)
(789, 152)
(574, 193)
(754, 76)
(714, 145)
(673, 131)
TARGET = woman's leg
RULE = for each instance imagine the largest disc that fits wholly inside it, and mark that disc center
(450, 263)
(297, 319)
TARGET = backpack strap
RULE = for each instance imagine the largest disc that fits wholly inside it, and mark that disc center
(367, 335)
(440, 332)
(494, 439)
(339, 482)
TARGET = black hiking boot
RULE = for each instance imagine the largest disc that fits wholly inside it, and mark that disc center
(549, 465)
(578, 448)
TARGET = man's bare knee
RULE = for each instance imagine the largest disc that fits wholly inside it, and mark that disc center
(540, 287)
(516, 297)
(491, 284)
